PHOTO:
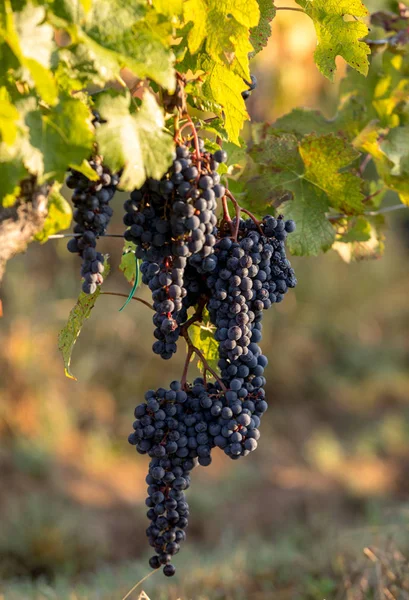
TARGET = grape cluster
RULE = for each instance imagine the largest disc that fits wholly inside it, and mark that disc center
(171, 221)
(92, 214)
(174, 428)
(189, 260)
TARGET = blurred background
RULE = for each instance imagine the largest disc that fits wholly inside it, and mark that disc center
(319, 512)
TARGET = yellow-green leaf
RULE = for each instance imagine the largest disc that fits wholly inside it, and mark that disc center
(225, 88)
(202, 337)
(59, 215)
(79, 313)
(128, 261)
(134, 142)
(339, 33)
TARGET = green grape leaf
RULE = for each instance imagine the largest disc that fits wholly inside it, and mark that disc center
(390, 154)
(260, 34)
(224, 87)
(59, 215)
(202, 337)
(78, 315)
(338, 35)
(128, 262)
(118, 26)
(310, 177)
(135, 142)
(9, 116)
(63, 134)
(223, 28)
(31, 41)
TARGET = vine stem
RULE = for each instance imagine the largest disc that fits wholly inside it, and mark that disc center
(183, 380)
(244, 210)
(365, 163)
(145, 302)
(226, 214)
(195, 137)
(290, 8)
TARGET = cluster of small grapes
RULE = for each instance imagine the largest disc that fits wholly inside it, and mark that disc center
(248, 276)
(92, 214)
(174, 427)
(171, 221)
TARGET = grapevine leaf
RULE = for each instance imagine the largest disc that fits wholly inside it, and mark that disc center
(302, 121)
(309, 177)
(202, 337)
(338, 36)
(118, 26)
(260, 34)
(63, 134)
(31, 41)
(390, 155)
(128, 262)
(59, 215)
(135, 142)
(225, 87)
(9, 115)
(78, 314)
(224, 29)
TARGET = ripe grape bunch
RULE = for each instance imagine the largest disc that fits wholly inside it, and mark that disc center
(171, 221)
(235, 269)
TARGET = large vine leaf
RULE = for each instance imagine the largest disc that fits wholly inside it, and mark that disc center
(78, 314)
(59, 215)
(224, 29)
(63, 134)
(224, 87)
(309, 177)
(260, 34)
(31, 42)
(117, 26)
(134, 142)
(339, 33)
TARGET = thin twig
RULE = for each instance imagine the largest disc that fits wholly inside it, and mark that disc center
(189, 354)
(126, 296)
(369, 213)
(289, 8)
(244, 210)
(195, 138)
(59, 236)
(139, 583)
(365, 163)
